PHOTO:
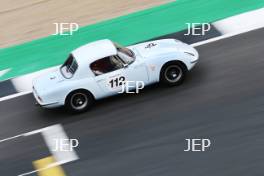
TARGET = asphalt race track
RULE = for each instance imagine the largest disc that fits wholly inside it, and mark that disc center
(144, 135)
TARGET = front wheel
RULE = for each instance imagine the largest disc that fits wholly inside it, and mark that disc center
(79, 101)
(173, 74)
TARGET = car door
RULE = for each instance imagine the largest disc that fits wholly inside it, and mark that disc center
(135, 71)
(109, 75)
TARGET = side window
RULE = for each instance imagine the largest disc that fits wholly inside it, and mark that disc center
(105, 65)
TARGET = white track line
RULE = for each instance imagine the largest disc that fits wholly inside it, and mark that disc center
(11, 138)
(14, 95)
(23, 84)
(50, 134)
(249, 20)
(2, 72)
(53, 133)
(22, 135)
(237, 25)
(222, 37)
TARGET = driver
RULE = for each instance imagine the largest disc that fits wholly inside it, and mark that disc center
(96, 69)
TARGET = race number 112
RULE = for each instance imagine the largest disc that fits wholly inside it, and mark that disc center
(117, 81)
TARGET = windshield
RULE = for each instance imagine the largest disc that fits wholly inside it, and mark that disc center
(126, 54)
(69, 67)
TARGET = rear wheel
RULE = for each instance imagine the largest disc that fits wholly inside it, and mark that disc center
(79, 101)
(173, 74)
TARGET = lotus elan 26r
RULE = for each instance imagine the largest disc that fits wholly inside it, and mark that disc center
(99, 69)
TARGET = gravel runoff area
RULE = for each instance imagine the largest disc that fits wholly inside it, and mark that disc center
(23, 21)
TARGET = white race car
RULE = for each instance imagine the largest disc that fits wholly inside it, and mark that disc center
(100, 69)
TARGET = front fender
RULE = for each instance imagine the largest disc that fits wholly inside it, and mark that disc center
(158, 63)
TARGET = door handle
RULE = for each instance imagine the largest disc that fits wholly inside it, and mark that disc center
(99, 80)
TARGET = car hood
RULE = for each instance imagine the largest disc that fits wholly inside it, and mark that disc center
(162, 47)
(48, 81)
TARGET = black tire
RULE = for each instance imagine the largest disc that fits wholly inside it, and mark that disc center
(79, 101)
(173, 74)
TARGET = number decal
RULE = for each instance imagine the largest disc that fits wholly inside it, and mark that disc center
(121, 80)
(116, 82)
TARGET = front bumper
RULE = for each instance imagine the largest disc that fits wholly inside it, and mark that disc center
(191, 54)
(193, 61)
